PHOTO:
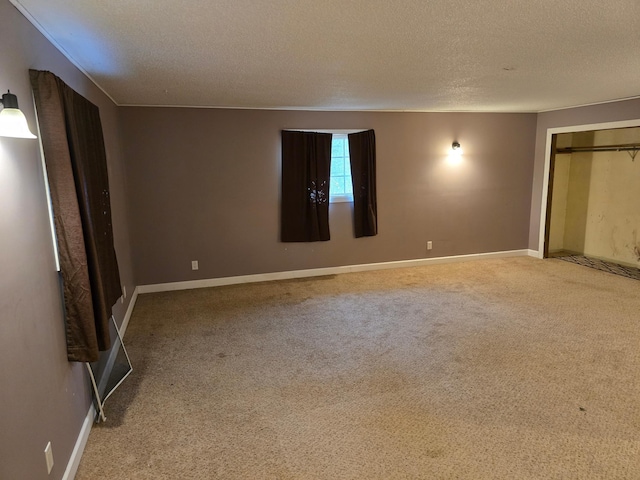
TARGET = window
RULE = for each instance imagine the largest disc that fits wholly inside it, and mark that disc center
(316, 161)
(341, 189)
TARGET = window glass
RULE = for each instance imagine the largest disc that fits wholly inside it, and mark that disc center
(341, 189)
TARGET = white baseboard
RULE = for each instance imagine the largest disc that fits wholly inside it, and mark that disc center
(534, 253)
(315, 272)
(81, 442)
(127, 315)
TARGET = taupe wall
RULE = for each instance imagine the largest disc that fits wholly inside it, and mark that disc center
(204, 185)
(42, 396)
(596, 114)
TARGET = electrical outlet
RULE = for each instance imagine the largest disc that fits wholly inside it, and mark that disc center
(429, 245)
(48, 455)
(194, 264)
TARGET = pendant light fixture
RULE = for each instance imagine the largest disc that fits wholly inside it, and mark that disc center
(12, 121)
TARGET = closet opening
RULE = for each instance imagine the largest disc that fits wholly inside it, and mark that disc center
(593, 200)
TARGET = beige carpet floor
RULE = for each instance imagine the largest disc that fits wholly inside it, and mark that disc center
(497, 369)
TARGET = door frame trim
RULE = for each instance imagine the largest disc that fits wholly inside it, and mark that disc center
(547, 166)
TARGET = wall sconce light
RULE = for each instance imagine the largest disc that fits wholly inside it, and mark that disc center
(455, 154)
(12, 121)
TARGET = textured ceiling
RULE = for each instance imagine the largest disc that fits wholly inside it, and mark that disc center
(436, 55)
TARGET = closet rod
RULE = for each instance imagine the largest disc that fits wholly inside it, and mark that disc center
(626, 147)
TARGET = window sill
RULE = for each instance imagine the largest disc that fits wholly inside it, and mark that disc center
(341, 199)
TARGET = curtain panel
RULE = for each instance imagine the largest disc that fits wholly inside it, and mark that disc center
(362, 152)
(74, 152)
(306, 163)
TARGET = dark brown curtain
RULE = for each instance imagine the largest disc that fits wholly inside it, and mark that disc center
(71, 134)
(306, 166)
(362, 151)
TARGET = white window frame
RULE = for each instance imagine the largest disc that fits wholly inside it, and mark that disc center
(54, 236)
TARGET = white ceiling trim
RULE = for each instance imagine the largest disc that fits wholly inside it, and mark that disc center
(590, 104)
(22, 9)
